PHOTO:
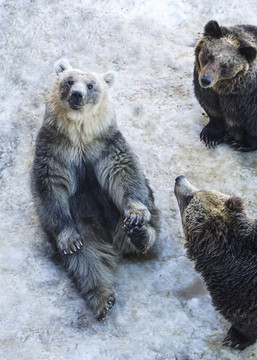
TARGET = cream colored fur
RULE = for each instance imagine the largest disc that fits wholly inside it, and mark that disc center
(88, 123)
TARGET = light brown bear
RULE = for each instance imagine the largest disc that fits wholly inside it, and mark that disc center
(222, 241)
(91, 195)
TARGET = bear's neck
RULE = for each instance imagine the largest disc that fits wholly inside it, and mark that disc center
(82, 127)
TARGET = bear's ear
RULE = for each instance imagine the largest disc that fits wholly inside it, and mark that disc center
(235, 203)
(61, 65)
(212, 28)
(247, 50)
(109, 78)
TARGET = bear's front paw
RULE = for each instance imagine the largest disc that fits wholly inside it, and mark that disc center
(212, 137)
(105, 306)
(236, 340)
(69, 241)
(136, 212)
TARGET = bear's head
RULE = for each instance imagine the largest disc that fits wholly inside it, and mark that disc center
(222, 55)
(213, 223)
(79, 103)
(78, 93)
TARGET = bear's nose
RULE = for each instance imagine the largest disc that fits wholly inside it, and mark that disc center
(76, 96)
(179, 178)
(205, 81)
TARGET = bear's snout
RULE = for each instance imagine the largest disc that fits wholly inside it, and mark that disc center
(205, 81)
(184, 192)
(76, 99)
(179, 178)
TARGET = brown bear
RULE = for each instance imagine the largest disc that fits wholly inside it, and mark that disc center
(91, 195)
(222, 241)
(225, 84)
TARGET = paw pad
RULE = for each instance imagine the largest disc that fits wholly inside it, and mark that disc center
(137, 233)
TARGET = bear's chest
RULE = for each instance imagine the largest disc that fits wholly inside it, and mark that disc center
(84, 176)
(234, 109)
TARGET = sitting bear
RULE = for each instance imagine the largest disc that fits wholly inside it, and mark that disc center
(222, 241)
(225, 84)
(92, 198)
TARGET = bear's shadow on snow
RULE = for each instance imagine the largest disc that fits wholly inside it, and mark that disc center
(195, 289)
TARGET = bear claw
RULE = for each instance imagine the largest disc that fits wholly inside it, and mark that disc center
(237, 340)
(69, 242)
(108, 305)
(211, 137)
(72, 249)
(239, 147)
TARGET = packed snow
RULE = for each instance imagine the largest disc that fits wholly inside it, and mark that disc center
(162, 311)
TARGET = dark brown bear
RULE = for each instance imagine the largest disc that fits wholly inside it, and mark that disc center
(222, 241)
(225, 84)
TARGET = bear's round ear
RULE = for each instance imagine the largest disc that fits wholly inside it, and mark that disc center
(235, 203)
(61, 65)
(109, 78)
(212, 28)
(246, 49)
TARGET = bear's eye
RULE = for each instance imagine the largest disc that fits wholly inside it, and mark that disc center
(70, 82)
(225, 70)
(206, 58)
(90, 86)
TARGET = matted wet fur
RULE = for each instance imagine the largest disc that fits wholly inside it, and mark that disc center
(225, 84)
(91, 196)
(222, 242)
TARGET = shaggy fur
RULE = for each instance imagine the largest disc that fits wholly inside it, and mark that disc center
(91, 196)
(222, 241)
(225, 84)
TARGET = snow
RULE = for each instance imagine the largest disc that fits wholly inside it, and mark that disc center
(163, 310)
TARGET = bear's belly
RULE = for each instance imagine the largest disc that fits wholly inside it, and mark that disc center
(91, 204)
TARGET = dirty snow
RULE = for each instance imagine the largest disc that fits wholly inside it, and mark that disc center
(163, 311)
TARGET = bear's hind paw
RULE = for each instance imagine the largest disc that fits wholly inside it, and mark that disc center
(102, 312)
(137, 234)
(236, 340)
(242, 146)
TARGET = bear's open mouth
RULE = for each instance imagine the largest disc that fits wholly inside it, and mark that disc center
(74, 106)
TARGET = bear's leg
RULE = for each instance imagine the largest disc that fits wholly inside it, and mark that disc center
(92, 268)
(240, 336)
(213, 133)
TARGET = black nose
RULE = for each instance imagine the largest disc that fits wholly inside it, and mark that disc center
(76, 96)
(205, 81)
(179, 178)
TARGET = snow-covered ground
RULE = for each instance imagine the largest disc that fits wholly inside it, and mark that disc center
(162, 310)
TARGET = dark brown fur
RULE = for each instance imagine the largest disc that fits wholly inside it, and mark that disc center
(225, 83)
(222, 241)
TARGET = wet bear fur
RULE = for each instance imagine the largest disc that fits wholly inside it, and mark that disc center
(222, 242)
(92, 198)
(225, 84)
